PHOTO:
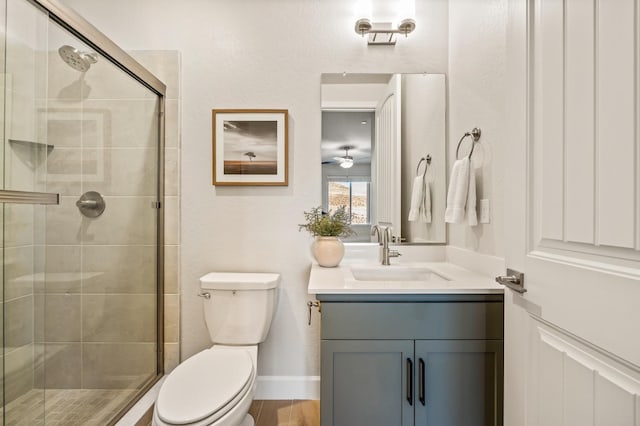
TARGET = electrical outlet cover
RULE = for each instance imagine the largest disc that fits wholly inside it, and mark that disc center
(485, 211)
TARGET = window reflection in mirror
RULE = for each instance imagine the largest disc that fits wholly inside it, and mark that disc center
(375, 130)
(347, 138)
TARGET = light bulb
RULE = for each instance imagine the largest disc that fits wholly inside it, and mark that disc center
(347, 163)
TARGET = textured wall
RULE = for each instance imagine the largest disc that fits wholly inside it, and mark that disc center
(476, 98)
(259, 54)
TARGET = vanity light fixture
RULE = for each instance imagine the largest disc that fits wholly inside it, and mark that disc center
(384, 33)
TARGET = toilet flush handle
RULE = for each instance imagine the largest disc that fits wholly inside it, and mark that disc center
(205, 295)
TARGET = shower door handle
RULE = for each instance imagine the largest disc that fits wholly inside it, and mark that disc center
(25, 197)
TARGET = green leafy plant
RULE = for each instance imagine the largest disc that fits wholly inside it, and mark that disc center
(322, 224)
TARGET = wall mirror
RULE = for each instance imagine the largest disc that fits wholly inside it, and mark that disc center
(383, 153)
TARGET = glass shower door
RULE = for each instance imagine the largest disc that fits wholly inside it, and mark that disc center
(25, 196)
(80, 227)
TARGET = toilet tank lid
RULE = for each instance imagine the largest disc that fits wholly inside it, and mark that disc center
(239, 281)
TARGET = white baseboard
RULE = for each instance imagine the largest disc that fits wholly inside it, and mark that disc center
(288, 387)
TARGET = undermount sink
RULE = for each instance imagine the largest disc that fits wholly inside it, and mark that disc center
(394, 273)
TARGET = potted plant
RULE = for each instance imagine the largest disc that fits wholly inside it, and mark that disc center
(327, 248)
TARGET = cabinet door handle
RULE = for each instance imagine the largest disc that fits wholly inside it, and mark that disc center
(421, 382)
(409, 381)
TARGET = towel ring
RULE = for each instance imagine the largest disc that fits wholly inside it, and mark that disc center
(475, 134)
(427, 164)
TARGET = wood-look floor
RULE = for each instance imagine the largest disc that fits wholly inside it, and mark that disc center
(286, 413)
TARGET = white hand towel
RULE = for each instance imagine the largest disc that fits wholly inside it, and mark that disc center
(420, 201)
(425, 206)
(458, 192)
(416, 198)
(470, 208)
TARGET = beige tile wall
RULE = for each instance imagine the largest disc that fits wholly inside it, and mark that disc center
(97, 307)
(166, 66)
(22, 170)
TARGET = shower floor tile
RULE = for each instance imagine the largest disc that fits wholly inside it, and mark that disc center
(66, 407)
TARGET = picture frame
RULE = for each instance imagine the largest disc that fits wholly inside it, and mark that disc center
(250, 147)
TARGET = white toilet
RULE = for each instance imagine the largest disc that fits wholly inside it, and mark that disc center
(216, 386)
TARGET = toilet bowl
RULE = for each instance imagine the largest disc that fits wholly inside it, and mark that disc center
(216, 386)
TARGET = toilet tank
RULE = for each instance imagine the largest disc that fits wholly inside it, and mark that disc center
(240, 306)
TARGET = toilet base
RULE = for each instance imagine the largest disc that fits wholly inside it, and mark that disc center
(248, 421)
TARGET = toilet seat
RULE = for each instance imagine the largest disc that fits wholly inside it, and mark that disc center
(216, 379)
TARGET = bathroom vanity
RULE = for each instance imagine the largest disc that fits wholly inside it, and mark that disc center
(413, 344)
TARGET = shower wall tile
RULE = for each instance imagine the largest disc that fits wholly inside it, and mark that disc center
(171, 356)
(130, 171)
(171, 318)
(18, 221)
(18, 272)
(172, 123)
(171, 171)
(20, 60)
(61, 318)
(113, 254)
(131, 123)
(117, 365)
(18, 322)
(165, 65)
(18, 373)
(60, 124)
(39, 228)
(106, 81)
(126, 221)
(172, 220)
(22, 121)
(119, 318)
(120, 269)
(171, 269)
(64, 171)
(62, 361)
(63, 270)
(63, 82)
(63, 222)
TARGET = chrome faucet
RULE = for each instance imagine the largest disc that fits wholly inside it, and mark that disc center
(384, 237)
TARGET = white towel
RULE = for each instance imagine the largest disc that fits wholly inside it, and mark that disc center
(420, 201)
(470, 209)
(461, 197)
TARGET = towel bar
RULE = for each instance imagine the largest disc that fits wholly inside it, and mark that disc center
(475, 134)
(428, 162)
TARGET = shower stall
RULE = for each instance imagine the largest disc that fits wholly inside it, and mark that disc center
(81, 220)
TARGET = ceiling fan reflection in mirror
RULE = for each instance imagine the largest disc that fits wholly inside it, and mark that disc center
(345, 161)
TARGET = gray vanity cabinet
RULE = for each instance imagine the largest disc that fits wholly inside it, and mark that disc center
(424, 360)
(367, 384)
(459, 382)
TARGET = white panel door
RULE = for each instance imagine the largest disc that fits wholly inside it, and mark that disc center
(386, 171)
(572, 341)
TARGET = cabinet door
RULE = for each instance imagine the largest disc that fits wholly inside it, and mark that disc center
(458, 382)
(367, 383)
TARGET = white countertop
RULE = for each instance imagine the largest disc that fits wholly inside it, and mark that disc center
(452, 280)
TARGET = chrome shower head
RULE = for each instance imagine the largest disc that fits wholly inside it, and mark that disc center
(79, 61)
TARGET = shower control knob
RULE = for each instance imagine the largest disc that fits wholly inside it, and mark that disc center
(91, 204)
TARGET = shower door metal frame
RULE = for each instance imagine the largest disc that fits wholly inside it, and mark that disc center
(81, 28)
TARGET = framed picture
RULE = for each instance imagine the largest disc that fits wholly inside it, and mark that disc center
(250, 147)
